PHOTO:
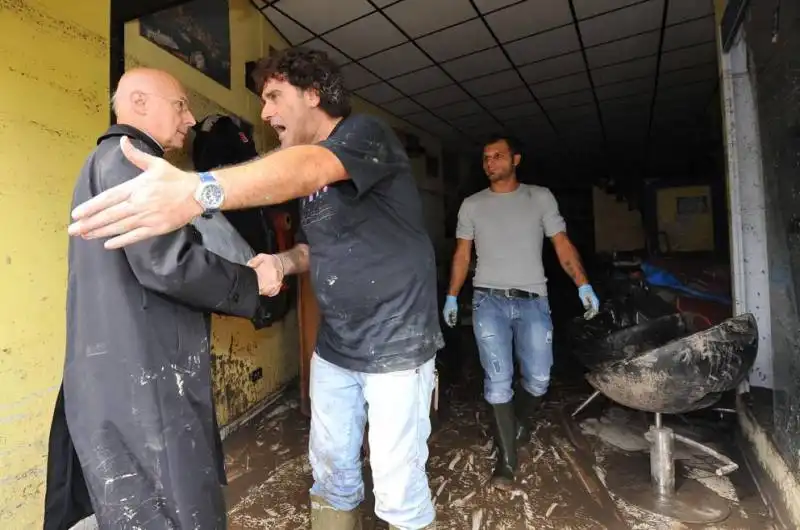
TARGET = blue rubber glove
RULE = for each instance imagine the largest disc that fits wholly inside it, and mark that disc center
(450, 312)
(589, 300)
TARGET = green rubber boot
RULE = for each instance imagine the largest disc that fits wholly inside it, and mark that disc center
(326, 517)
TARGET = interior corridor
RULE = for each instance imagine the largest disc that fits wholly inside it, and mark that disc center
(565, 467)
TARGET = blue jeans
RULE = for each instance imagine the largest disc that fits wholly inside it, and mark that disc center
(398, 407)
(505, 325)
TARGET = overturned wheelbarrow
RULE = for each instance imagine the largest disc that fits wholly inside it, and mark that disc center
(653, 372)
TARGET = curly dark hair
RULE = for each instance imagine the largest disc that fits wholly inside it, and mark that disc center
(305, 68)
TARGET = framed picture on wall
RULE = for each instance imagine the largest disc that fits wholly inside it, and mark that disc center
(197, 32)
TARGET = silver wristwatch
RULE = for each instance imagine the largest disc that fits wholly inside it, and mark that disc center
(209, 194)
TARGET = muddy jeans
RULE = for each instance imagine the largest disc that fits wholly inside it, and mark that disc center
(504, 326)
(398, 405)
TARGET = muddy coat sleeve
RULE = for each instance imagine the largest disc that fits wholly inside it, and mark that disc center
(176, 265)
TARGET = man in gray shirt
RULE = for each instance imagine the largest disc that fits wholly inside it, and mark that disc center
(508, 223)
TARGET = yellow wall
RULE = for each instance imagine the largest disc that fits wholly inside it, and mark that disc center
(54, 83)
(687, 232)
(615, 226)
(54, 105)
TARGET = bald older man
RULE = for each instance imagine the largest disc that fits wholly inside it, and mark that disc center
(134, 437)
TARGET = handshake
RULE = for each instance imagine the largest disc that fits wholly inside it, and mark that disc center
(270, 272)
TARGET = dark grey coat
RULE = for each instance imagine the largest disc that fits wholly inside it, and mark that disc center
(137, 397)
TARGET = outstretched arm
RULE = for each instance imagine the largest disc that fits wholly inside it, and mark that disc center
(161, 199)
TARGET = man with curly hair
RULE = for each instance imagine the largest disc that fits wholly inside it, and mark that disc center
(372, 266)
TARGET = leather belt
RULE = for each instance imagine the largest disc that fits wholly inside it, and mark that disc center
(508, 293)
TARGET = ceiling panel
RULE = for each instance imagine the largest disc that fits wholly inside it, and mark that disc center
(403, 106)
(492, 83)
(625, 88)
(622, 23)
(478, 64)
(583, 113)
(682, 10)
(396, 61)
(686, 92)
(380, 93)
(553, 68)
(700, 53)
(425, 120)
(422, 80)
(293, 33)
(462, 108)
(487, 6)
(562, 85)
(589, 8)
(365, 36)
(356, 76)
(507, 98)
(627, 104)
(702, 72)
(623, 50)
(533, 125)
(568, 100)
(417, 18)
(528, 18)
(645, 67)
(321, 16)
(518, 111)
(480, 119)
(689, 33)
(544, 45)
(457, 41)
(442, 96)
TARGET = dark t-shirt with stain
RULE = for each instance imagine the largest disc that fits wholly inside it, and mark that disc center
(372, 262)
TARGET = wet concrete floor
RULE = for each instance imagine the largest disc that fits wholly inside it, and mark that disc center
(565, 467)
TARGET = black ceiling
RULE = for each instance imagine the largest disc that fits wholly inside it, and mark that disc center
(592, 86)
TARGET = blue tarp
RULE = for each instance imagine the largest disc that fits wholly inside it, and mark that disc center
(661, 278)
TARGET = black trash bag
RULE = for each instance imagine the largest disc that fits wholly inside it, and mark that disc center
(223, 141)
(626, 302)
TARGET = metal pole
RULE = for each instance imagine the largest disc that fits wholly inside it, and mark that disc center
(662, 464)
(586, 403)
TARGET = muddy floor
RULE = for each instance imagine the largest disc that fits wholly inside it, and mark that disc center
(569, 469)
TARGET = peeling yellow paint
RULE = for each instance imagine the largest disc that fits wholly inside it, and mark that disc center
(54, 79)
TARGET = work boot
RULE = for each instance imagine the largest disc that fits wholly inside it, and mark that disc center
(506, 433)
(527, 405)
(326, 517)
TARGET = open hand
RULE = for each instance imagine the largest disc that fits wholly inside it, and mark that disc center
(269, 269)
(156, 202)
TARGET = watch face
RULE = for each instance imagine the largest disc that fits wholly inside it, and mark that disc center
(211, 197)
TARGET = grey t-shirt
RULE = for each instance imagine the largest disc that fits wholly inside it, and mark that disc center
(508, 230)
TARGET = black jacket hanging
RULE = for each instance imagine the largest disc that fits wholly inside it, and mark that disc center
(224, 141)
